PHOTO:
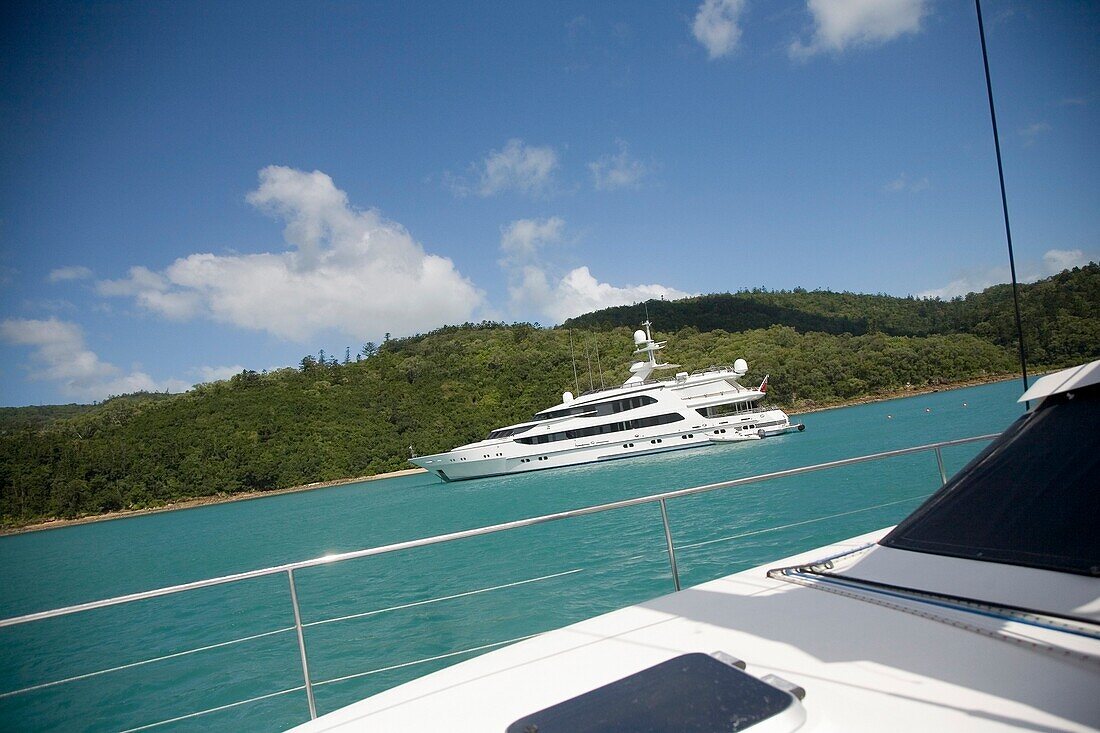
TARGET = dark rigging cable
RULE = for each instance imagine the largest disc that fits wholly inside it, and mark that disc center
(1004, 197)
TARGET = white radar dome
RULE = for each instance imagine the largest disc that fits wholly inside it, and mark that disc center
(741, 366)
(639, 337)
(566, 397)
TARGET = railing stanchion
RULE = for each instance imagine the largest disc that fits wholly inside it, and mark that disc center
(671, 549)
(301, 644)
(943, 473)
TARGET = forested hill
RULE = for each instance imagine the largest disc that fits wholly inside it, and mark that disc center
(1059, 314)
(326, 420)
(39, 416)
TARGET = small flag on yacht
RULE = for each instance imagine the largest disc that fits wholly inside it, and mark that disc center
(763, 385)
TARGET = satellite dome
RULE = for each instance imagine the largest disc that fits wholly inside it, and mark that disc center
(640, 337)
(566, 397)
(740, 367)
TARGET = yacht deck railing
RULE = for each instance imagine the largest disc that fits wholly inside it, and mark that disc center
(299, 627)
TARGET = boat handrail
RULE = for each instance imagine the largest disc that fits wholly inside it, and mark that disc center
(712, 368)
(715, 369)
(290, 568)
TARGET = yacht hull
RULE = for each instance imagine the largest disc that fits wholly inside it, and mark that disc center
(483, 460)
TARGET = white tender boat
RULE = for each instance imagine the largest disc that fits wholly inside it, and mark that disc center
(641, 417)
(979, 612)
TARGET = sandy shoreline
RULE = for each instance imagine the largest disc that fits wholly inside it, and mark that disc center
(246, 496)
(202, 501)
(913, 392)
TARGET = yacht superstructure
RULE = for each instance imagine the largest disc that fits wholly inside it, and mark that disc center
(640, 417)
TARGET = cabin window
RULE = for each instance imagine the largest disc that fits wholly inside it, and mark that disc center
(615, 427)
(505, 432)
(598, 409)
(730, 408)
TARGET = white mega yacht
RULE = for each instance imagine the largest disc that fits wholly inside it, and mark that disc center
(641, 417)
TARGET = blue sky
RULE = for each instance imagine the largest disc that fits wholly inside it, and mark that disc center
(194, 188)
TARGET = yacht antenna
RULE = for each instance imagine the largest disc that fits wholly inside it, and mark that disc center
(573, 358)
(596, 345)
(1004, 197)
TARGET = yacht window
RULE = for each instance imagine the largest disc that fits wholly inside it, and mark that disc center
(729, 408)
(1030, 498)
(614, 427)
(600, 408)
(505, 432)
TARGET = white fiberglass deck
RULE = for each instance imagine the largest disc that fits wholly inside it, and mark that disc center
(864, 666)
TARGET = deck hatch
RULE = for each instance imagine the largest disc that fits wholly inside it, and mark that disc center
(689, 693)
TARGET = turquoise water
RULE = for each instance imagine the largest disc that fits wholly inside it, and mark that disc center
(597, 563)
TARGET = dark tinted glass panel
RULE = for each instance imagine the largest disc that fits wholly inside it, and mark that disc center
(505, 432)
(600, 408)
(615, 427)
(1031, 498)
(691, 693)
(730, 408)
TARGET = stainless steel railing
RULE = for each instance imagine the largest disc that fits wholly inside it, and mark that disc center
(299, 627)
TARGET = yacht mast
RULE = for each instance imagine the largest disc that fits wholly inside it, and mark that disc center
(1004, 198)
(599, 365)
(588, 358)
(573, 358)
(644, 343)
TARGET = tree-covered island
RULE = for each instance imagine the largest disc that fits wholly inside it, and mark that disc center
(331, 418)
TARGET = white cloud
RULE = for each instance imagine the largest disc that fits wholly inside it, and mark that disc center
(521, 243)
(1053, 262)
(1032, 132)
(74, 272)
(904, 183)
(840, 24)
(153, 292)
(59, 346)
(971, 282)
(579, 292)
(521, 240)
(612, 172)
(1056, 260)
(533, 289)
(61, 356)
(53, 305)
(141, 279)
(527, 169)
(1035, 129)
(716, 26)
(217, 373)
(348, 270)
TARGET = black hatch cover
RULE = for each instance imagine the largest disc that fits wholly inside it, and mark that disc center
(692, 693)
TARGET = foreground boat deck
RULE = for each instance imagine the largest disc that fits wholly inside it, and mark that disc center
(863, 666)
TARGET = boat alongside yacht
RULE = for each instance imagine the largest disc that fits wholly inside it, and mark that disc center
(643, 416)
